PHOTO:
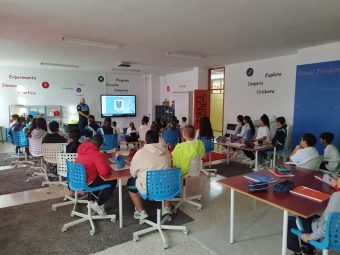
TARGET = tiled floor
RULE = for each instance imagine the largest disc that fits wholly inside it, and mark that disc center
(257, 226)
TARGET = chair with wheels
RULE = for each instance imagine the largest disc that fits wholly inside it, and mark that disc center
(50, 154)
(161, 185)
(110, 142)
(311, 164)
(331, 241)
(195, 169)
(76, 178)
(209, 147)
(170, 138)
(20, 140)
(62, 172)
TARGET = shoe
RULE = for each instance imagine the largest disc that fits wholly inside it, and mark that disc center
(99, 209)
(168, 210)
(140, 215)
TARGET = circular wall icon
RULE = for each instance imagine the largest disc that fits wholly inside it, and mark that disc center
(100, 78)
(168, 88)
(78, 90)
(45, 85)
(250, 72)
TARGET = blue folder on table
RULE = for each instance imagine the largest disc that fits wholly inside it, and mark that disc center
(259, 178)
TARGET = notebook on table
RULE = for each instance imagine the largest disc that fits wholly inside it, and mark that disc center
(280, 174)
(326, 178)
(256, 177)
(310, 193)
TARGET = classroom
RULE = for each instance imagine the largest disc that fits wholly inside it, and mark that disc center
(170, 127)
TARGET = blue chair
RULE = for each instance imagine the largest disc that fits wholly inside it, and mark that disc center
(209, 147)
(331, 240)
(110, 142)
(161, 185)
(171, 137)
(76, 178)
(20, 140)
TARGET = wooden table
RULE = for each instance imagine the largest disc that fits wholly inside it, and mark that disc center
(240, 146)
(119, 175)
(287, 202)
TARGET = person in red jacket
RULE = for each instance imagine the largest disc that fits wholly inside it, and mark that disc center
(96, 165)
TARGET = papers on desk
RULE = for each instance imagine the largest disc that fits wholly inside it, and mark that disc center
(326, 178)
(113, 160)
(310, 194)
(259, 178)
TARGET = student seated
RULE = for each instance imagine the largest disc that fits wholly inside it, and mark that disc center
(116, 129)
(54, 136)
(156, 128)
(92, 125)
(33, 126)
(131, 133)
(74, 143)
(144, 128)
(96, 165)
(13, 120)
(305, 150)
(247, 133)
(29, 120)
(107, 127)
(19, 125)
(184, 122)
(205, 129)
(330, 152)
(313, 227)
(153, 156)
(262, 135)
(188, 150)
(40, 130)
(239, 125)
(280, 135)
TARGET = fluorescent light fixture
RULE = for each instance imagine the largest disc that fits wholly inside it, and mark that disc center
(125, 70)
(184, 55)
(112, 46)
(58, 65)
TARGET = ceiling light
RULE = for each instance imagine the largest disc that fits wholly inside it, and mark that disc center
(112, 46)
(125, 70)
(59, 65)
(184, 55)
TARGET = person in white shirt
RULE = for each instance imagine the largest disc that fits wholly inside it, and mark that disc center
(330, 152)
(144, 128)
(184, 122)
(116, 129)
(262, 135)
(131, 133)
(305, 150)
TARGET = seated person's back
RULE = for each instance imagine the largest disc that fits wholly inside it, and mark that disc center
(330, 152)
(74, 144)
(305, 150)
(188, 150)
(54, 136)
(153, 156)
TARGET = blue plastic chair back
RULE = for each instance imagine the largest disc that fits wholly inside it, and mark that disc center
(333, 231)
(110, 142)
(331, 240)
(208, 143)
(125, 130)
(170, 137)
(76, 178)
(162, 184)
(19, 139)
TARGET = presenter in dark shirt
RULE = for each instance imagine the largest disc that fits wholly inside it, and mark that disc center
(83, 111)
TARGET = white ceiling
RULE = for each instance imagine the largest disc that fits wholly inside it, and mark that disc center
(224, 31)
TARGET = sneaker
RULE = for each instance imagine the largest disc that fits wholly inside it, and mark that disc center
(168, 210)
(140, 215)
(99, 209)
(308, 250)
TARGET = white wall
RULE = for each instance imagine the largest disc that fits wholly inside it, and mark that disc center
(24, 86)
(244, 95)
(320, 53)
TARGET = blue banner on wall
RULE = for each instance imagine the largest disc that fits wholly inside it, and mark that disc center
(317, 101)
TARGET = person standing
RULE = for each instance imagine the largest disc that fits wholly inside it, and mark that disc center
(84, 112)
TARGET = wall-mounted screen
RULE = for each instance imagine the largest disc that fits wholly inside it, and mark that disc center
(118, 106)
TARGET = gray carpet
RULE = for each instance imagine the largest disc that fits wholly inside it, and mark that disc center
(4, 160)
(14, 180)
(233, 169)
(35, 229)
